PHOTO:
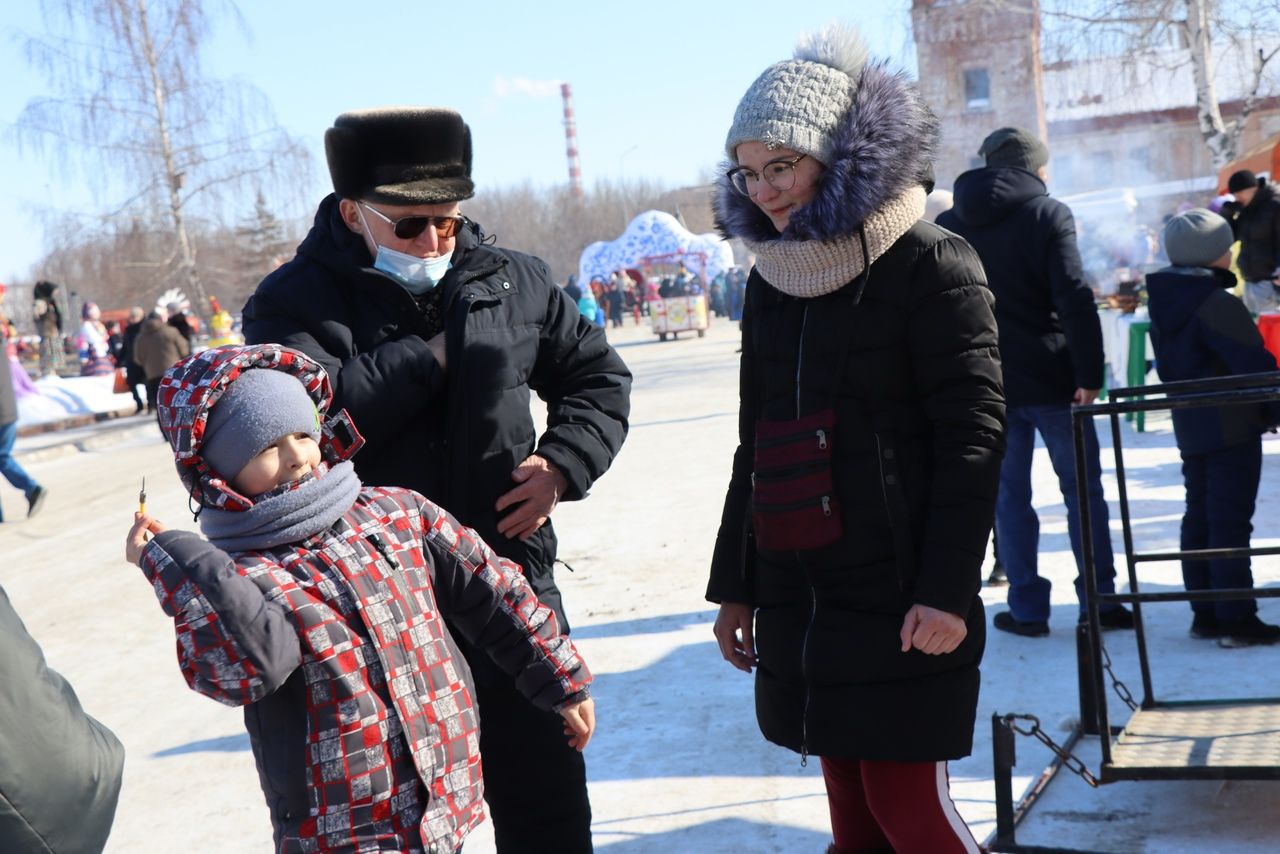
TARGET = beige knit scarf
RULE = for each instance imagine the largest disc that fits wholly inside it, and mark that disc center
(813, 268)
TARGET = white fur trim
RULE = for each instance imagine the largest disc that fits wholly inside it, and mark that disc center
(837, 45)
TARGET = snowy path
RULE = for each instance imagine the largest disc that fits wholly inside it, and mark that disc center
(678, 764)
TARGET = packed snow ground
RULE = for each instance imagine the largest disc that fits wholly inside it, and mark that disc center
(678, 764)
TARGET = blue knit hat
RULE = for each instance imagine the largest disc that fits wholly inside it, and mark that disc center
(257, 409)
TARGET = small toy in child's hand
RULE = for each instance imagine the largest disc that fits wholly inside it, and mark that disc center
(142, 503)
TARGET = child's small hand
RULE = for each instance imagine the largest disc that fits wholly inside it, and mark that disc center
(137, 538)
(579, 723)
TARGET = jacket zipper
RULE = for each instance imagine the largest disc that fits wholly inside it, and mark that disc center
(804, 321)
(804, 656)
(819, 433)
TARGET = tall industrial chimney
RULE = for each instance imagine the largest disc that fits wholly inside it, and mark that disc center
(571, 142)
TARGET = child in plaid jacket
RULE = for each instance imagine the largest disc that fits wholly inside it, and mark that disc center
(319, 605)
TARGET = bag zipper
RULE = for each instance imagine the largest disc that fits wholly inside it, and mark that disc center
(787, 506)
(819, 433)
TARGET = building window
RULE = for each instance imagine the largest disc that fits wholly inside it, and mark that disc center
(1140, 164)
(1101, 169)
(977, 89)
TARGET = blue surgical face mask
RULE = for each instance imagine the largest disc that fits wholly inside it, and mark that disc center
(416, 275)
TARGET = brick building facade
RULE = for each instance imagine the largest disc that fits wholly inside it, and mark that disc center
(1113, 122)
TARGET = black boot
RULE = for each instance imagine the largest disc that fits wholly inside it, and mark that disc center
(1247, 631)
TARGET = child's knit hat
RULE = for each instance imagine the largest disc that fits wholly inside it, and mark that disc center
(1197, 238)
(257, 409)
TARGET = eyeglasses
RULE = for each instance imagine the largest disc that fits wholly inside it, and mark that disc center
(409, 227)
(780, 173)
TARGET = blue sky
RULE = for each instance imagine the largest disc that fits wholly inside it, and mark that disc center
(654, 83)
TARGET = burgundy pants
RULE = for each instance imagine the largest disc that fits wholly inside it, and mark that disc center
(904, 807)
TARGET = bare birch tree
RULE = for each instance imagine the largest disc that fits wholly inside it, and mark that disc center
(1176, 33)
(153, 131)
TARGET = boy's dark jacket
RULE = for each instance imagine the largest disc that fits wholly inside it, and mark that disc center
(453, 436)
(1050, 336)
(358, 705)
(1198, 331)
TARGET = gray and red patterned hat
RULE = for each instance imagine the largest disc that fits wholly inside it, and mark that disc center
(190, 389)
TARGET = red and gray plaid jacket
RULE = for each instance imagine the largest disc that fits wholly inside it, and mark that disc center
(359, 706)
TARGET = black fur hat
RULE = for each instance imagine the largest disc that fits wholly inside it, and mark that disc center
(400, 156)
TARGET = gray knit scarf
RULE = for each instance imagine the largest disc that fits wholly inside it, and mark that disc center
(287, 514)
(813, 268)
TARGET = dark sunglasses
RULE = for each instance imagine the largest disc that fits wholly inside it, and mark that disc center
(409, 227)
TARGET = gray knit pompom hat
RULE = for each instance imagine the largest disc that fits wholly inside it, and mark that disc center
(799, 102)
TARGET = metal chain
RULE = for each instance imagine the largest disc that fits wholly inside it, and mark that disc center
(1069, 761)
(1122, 690)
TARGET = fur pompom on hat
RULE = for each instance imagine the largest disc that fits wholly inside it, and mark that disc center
(400, 156)
(799, 102)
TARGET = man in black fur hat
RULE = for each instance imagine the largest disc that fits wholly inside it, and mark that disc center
(434, 338)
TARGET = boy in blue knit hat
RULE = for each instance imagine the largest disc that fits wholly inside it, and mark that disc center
(319, 606)
(1199, 330)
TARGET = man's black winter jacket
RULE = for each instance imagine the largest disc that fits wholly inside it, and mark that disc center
(1050, 337)
(1257, 227)
(455, 436)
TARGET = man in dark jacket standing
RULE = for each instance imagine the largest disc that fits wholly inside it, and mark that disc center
(1051, 350)
(433, 339)
(1255, 222)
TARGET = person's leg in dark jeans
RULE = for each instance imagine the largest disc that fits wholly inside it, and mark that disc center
(1195, 534)
(1233, 475)
(133, 376)
(1054, 424)
(1017, 525)
(13, 471)
(535, 783)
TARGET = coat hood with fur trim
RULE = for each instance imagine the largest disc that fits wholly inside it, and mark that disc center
(190, 388)
(884, 145)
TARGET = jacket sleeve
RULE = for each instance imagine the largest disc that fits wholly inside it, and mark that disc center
(235, 644)
(1232, 336)
(61, 769)
(732, 561)
(488, 601)
(955, 362)
(587, 388)
(402, 370)
(1073, 300)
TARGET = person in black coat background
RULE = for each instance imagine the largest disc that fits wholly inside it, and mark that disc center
(134, 375)
(1051, 349)
(434, 339)
(848, 561)
(1199, 330)
(1254, 215)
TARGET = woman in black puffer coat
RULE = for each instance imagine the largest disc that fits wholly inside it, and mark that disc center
(847, 566)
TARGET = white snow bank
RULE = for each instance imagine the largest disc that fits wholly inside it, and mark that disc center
(63, 397)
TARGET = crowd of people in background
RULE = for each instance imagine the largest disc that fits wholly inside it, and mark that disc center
(629, 292)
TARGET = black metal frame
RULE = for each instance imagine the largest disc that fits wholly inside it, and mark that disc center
(1223, 391)
(1094, 714)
